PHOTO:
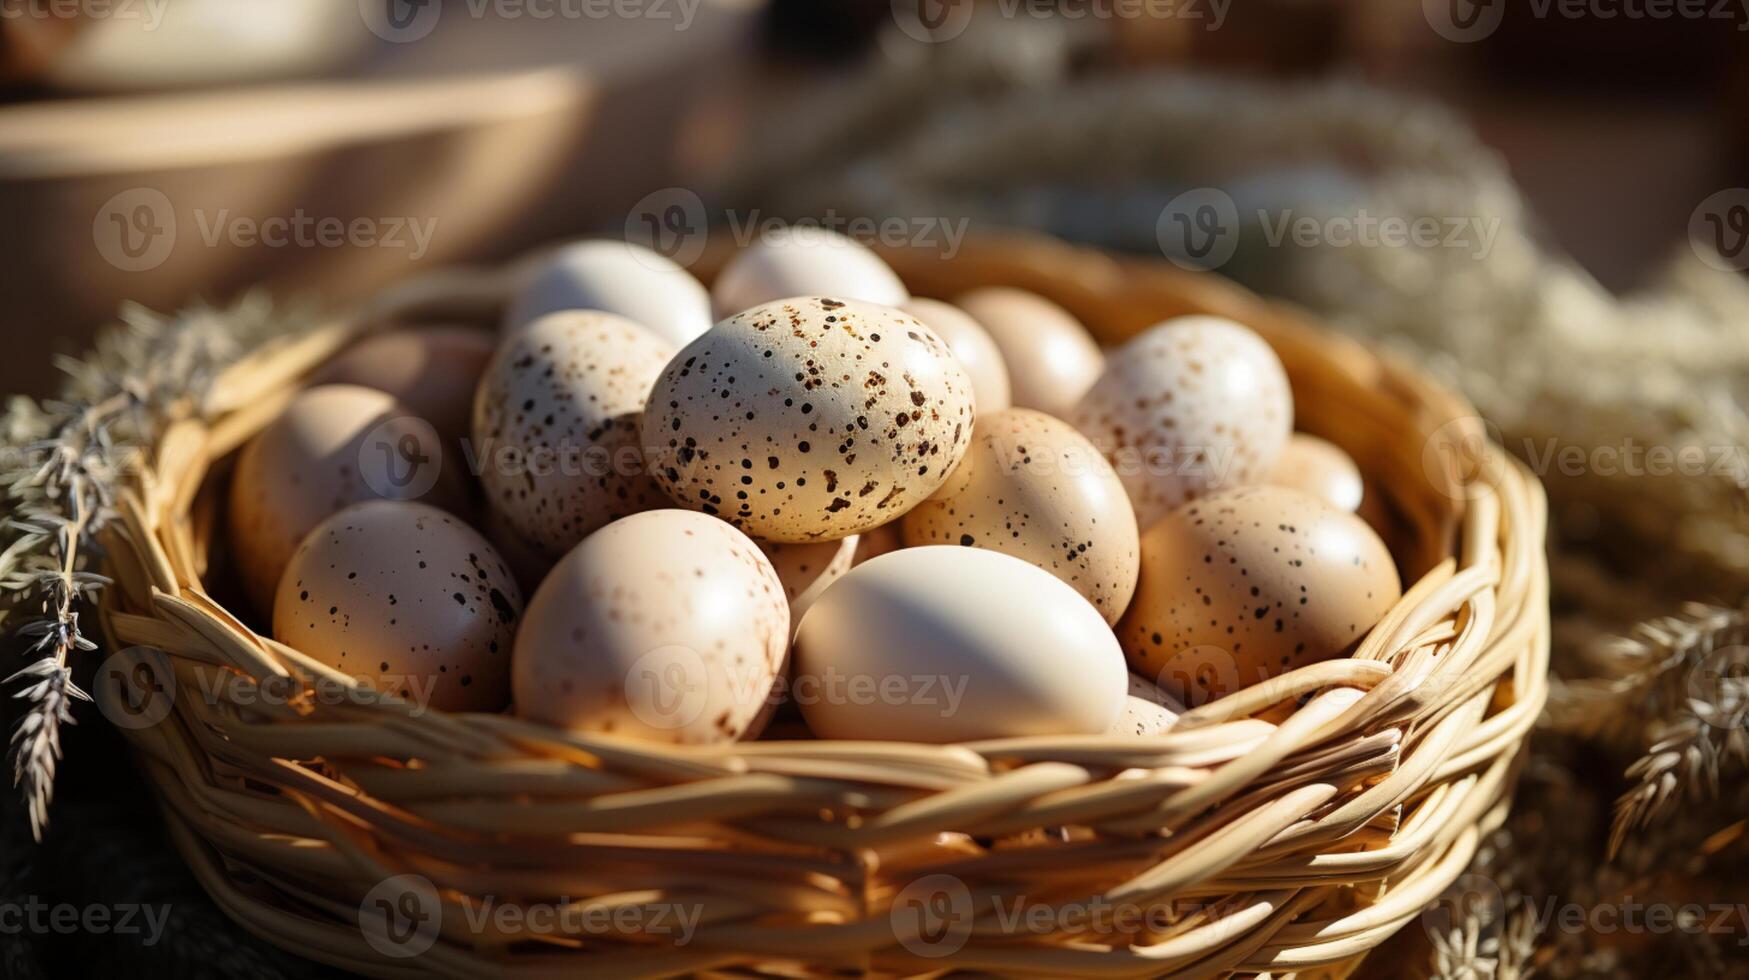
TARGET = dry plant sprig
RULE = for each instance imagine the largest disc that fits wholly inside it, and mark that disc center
(1465, 953)
(63, 462)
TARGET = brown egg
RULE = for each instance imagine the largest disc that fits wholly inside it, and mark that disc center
(972, 344)
(807, 570)
(875, 543)
(1246, 584)
(1051, 358)
(1321, 469)
(333, 446)
(432, 370)
(1032, 487)
(408, 598)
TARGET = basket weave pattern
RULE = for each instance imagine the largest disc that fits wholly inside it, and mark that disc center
(1293, 825)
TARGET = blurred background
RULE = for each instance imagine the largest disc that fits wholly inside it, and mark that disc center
(1577, 170)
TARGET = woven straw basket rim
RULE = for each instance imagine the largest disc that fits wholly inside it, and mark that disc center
(1288, 828)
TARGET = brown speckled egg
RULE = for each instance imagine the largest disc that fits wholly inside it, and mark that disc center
(556, 425)
(972, 344)
(333, 446)
(431, 370)
(1321, 469)
(809, 419)
(1032, 487)
(408, 598)
(806, 570)
(1243, 585)
(1188, 406)
(666, 625)
(804, 260)
(1051, 358)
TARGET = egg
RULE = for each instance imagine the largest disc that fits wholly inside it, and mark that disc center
(1243, 585)
(809, 419)
(972, 344)
(947, 644)
(556, 426)
(1188, 406)
(332, 446)
(528, 563)
(804, 260)
(1142, 717)
(407, 598)
(1032, 487)
(875, 543)
(807, 570)
(1050, 357)
(628, 280)
(431, 370)
(667, 625)
(1321, 469)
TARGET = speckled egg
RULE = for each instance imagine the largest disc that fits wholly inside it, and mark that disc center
(1242, 585)
(1050, 357)
(947, 644)
(434, 371)
(805, 260)
(666, 625)
(1321, 469)
(408, 598)
(621, 278)
(809, 419)
(1147, 710)
(1188, 406)
(807, 570)
(556, 426)
(334, 445)
(972, 344)
(1032, 487)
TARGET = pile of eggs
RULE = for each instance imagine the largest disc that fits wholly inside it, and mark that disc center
(652, 510)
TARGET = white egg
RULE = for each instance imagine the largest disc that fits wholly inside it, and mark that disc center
(1051, 358)
(948, 644)
(804, 260)
(630, 280)
(974, 347)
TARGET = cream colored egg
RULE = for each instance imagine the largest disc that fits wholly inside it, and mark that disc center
(1050, 357)
(621, 278)
(333, 446)
(1188, 406)
(972, 344)
(1243, 585)
(1032, 487)
(434, 371)
(807, 570)
(809, 419)
(804, 260)
(666, 625)
(948, 644)
(1321, 469)
(407, 598)
(1142, 717)
(556, 426)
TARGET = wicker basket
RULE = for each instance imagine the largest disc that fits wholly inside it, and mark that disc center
(1288, 828)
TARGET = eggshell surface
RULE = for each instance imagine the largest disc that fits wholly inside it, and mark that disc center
(809, 419)
(1032, 487)
(1050, 357)
(1321, 469)
(556, 426)
(334, 445)
(804, 260)
(628, 280)
(947, 644)
(807, 570)
(1246, 584)
(1188, 406)
(1141, 717)
(667, 625)
(434, 371)
(408, 598)
(972, 344)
